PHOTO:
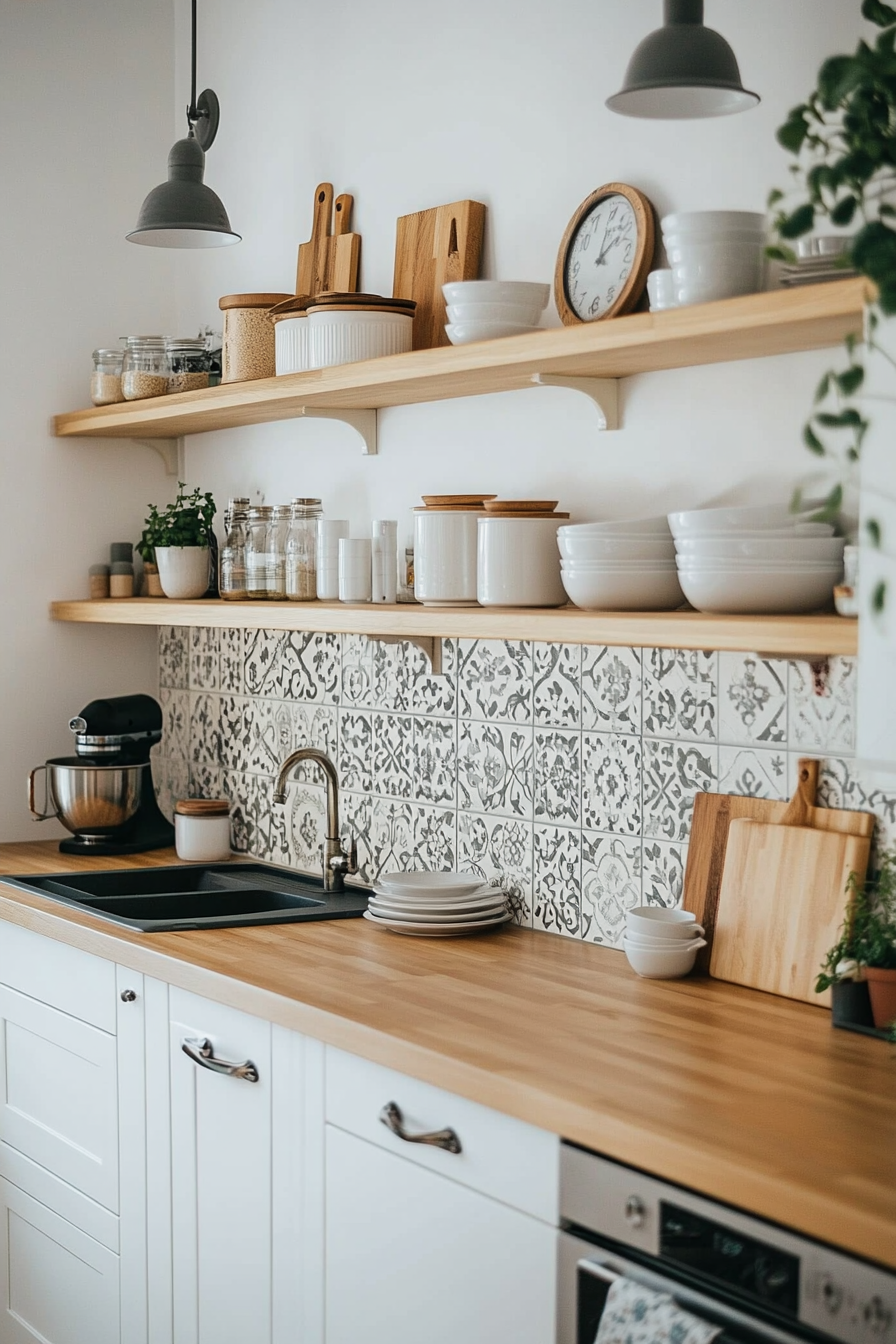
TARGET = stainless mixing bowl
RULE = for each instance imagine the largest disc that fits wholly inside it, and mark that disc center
(90, 800)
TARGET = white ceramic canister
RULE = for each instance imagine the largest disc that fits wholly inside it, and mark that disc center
(519, 563)
(343, 336)
(354, 569)
(202, 830)
(445, 564)
(291, 343)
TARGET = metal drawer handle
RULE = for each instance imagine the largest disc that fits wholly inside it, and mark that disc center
(201, 1051)
(393, 1119)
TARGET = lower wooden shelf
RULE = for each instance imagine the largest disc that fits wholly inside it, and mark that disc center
(782, 636)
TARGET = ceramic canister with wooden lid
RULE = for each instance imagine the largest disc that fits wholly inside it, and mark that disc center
(202, 830)
(248, 336)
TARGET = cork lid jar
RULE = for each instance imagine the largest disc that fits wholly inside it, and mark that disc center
(248, 336)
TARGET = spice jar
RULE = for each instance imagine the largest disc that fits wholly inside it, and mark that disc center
(258, 528)
(248, 336)
(189, 363)
(301, 550)
(144, 370)
(232, 571)
(105, 384)
(202, 830)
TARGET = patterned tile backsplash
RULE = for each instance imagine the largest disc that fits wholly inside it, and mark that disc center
(566, 773)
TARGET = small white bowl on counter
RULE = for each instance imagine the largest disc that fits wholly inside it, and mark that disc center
(666, 963)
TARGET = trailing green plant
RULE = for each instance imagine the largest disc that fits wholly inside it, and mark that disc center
(186, 522)
(868, 936)
(843, 138)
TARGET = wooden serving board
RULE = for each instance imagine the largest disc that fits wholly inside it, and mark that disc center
(433, 247)
(781, 904)
(712, 816)
(331, 258)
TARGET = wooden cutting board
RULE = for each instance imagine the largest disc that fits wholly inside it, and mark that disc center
(712, 816)
(781, 904)
(331, 258)
(433, 247)
(344, 251)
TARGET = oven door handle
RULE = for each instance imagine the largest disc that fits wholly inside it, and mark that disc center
(599, 1271)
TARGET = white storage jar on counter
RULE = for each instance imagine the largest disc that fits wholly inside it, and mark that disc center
(518, 561)
(445, 557)
(290, 322)
(202, 830)
(346, 328)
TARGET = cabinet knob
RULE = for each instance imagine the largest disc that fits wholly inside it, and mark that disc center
(128, 995)
(635, 1211)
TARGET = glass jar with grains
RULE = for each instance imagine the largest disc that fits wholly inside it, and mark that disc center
(301, 550)
(258, 529)
(232, 582)
(189, 361)
(105, 384)
(145, 369)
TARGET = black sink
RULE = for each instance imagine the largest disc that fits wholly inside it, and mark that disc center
(221, 896)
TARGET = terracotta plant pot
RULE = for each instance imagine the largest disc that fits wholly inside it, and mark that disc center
(882, 988)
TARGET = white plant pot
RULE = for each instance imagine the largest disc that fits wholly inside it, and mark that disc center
(183, 570)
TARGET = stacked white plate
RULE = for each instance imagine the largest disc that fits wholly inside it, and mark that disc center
(819, 259)
(620, 566)
(760, 560)
(483, 310)
(436, 905)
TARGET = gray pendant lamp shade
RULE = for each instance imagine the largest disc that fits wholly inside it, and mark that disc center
(184, 212)
(682, 70)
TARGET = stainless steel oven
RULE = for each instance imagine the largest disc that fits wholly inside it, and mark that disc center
(762, 1283)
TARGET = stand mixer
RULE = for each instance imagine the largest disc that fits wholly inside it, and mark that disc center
(104, 794)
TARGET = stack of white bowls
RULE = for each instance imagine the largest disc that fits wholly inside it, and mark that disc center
(661, 944)
(620, 566)
(482, 310)
(715, 254)
(760, 560)
(436, 905)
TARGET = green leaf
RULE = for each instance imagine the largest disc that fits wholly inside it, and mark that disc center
(774, 197)
(838, 76)
(848, 419)
(851, 379)
(776, 253)
(843, 211)
(813, 442)
(877, 12)
(794, 131)
(872, 527)
(879, 597)
(823, 388)
(798, 223)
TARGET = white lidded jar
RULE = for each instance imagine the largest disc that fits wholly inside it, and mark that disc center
(518, 561)
(202, 830)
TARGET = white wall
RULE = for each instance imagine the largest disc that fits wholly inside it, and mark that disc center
(409, 103)
(85, 106)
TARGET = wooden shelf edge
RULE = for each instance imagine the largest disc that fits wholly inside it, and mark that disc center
(781, 636)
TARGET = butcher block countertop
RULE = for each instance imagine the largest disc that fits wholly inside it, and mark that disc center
(748, 1098)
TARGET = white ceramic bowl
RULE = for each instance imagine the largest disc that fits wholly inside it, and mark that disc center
(624, 590)
(445, 565)
(519, 314)
(607, 564)
(594, 546)
(761, 548)
(654, 963)
(754, 517)
(664, 940)
(744, 565)
(632, 527)
(810, 530)
(759, 592)
(518, 562)
(669, 921)
(497, 291)
(712, 222)
(341, 337)
(465, 333)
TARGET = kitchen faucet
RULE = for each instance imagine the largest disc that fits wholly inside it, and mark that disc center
(335, 860)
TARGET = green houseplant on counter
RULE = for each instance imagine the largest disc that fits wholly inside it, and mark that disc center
(179, 541)
(866, 951)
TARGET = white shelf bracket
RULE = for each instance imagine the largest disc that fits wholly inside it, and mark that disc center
(171, 451)
(362, 422)
(604, 392)
(430, 646)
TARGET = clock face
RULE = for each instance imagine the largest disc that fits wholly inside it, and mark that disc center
(601, 257)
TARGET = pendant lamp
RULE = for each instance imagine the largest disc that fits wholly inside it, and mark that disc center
(184, 212)
(682, 70)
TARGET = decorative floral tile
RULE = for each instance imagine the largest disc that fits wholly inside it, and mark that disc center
(680, 694)
(308, 667)
(356, 684)
(356, 815)
(558, 685)
(236, 732)
(611, 782)
(558, 777)
(275, 839)
(243, 792)
(752, 700)
(206, 781)
(435, 761)
(435, 838)
(662, 873)
(611, 884)
(494, 769)
(673, 772)
(391, 837)
(825, 722)
(204, 659)
(355, 750)
(176, 729)
(557, 880)
(261, 659)
(435, 695)
(306, 810)
(171, 780)
(301, 725)
(393, 755)
(174, 657)
(500, 851)
(205, 729)
(231, 657)
(843, 783)
(753, 773)
(393, 669)
(495, 680)
(611, 689)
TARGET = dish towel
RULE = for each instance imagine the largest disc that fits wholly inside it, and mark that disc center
(638, 1315)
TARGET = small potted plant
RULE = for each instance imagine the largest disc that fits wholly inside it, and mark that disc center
(180, 539)
(866, 951)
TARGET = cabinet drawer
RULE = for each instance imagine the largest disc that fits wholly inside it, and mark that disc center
(59, 1094)
(500, 1156)
(73, 981)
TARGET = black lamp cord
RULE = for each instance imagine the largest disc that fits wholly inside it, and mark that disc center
(193, 113)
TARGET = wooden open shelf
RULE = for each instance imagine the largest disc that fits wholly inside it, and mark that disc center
(783, 636)
(774, 323)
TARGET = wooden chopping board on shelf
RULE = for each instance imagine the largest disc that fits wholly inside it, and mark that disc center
(713, 814)
(331, 259)
(432, 248)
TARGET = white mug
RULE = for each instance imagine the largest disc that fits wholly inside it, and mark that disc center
(330, 532)
(661, 289)
(445, 563)
(354, 570)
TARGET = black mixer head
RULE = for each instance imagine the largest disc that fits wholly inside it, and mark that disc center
(123, 725)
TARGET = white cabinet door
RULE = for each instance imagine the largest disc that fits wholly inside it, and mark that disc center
(412, 1256)
(221, 1179)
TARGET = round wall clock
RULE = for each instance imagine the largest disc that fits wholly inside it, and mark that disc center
(606, 255)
